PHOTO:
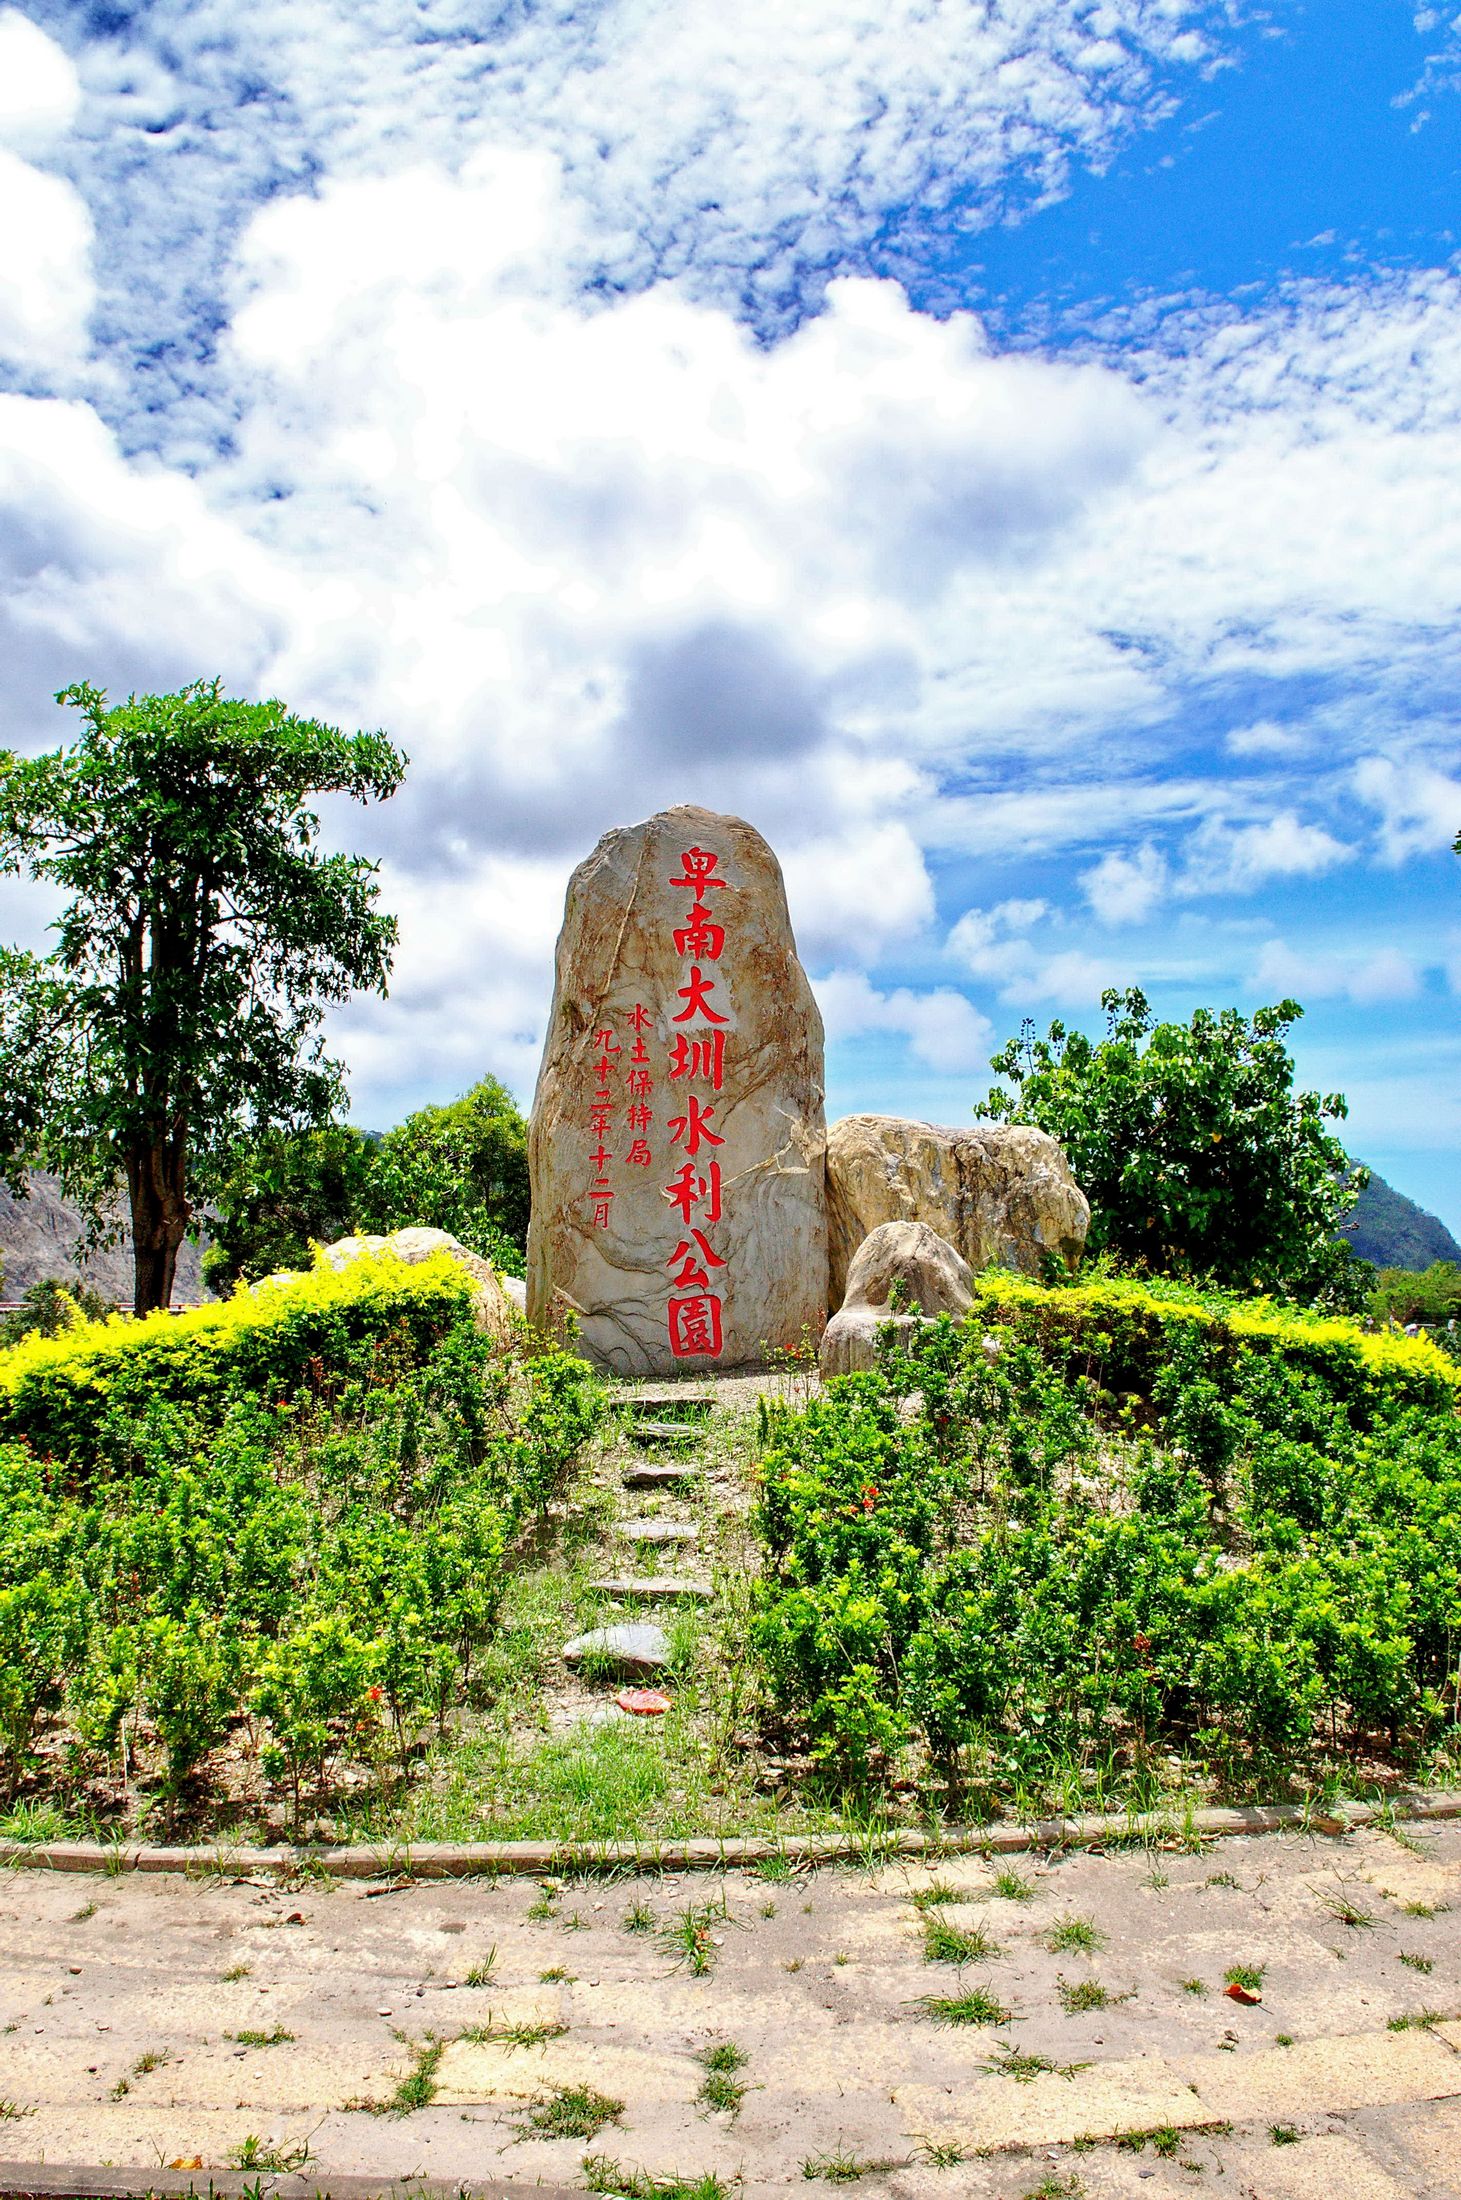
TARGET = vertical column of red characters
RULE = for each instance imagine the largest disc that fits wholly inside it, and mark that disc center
(697, 1058)
(601, 1109)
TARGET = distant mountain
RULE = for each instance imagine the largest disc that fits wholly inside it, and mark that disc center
(1393, 1232)
(38, 1240)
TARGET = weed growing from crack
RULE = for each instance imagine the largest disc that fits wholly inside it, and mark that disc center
(256, 2153)
(1082, 1995)
(1074, 1936)
(481, 1973)
(933, 1896)
(570, 2112)
(946, 1943)
(1024, 2067)
(273, 2038)
(721, 2088)
(1348, 1912)
(602, 2175)
(1010, 1887)
(1247, 1975)
(976, 2007)
(1423, 1964)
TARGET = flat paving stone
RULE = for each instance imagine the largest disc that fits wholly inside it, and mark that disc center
(658, 1531)
(661, 1586)
(651, 1475)
(637, 1648)
(661, 1432)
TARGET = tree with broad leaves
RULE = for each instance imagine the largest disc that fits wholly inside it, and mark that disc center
(1197, 1155)
(204, 933)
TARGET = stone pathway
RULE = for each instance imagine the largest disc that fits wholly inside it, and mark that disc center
(429, 2028)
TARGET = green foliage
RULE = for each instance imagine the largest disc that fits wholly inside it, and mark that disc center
(1117, 1517)
(1197, 1155)
(1431, 1298)
(279, 1194)
(283, 1525)
(462, 1168)
(51, 1307)
(204, 936)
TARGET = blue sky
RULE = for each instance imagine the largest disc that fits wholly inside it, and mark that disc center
(1009, 450)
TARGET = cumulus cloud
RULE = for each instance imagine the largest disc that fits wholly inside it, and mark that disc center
(39, 88)
(47, 289)
(1124, 889)
(1370, 977)
(1418, 807)
(943, 1028)
(1236, 859)
(744, 152)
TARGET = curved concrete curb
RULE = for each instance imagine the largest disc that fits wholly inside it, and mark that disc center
(488, 1859)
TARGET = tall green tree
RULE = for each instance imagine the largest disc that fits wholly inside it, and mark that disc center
(204, 933)
(1197, 1155)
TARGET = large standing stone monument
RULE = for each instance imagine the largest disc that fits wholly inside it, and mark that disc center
(678, 1137)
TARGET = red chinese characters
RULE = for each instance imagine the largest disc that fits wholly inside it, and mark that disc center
(695, 1309)
(600, 1115)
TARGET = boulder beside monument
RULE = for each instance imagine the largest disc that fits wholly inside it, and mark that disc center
(998, 1192)
(903, 1273)
(677, 1139)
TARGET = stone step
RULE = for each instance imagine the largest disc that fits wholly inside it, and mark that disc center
(661, 1432)
(658, 1531)
(674, 1405)
(648, 1476)
(654, 1587)
(627, 1650)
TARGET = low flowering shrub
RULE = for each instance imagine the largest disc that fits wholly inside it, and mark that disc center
(278, 1530)
(1115, 1520)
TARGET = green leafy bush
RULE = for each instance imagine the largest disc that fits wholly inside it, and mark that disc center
(280, 1528)
(1111, 1518)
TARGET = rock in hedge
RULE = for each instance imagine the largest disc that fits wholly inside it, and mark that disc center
(493, 1310)
(998, 1192)
(928, 1276)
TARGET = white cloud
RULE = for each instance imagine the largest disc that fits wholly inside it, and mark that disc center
(1126, 889)
(1419, 807)
(39, 87)
(943, 1028)
(1229, 859)
(1371, 977)
(46, 287)
(1267, 738)
(741, 151)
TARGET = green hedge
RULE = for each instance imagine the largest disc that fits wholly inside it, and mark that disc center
(1095, 1524)
(264, 1539)
(1130, 1330)
(269, 1343)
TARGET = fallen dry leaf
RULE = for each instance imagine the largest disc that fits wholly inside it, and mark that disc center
(1241, 1993)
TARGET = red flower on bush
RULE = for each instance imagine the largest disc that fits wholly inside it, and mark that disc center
(374, 1694)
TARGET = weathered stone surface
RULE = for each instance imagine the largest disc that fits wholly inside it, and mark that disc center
(642, 958)
(934, 1280)
(658, 1531)
(996, 1191)
(493, 1308)
(637, 1648)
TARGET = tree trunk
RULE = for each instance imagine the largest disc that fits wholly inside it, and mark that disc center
(155, 1180)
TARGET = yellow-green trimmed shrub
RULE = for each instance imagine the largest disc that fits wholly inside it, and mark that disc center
(269, 1343)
